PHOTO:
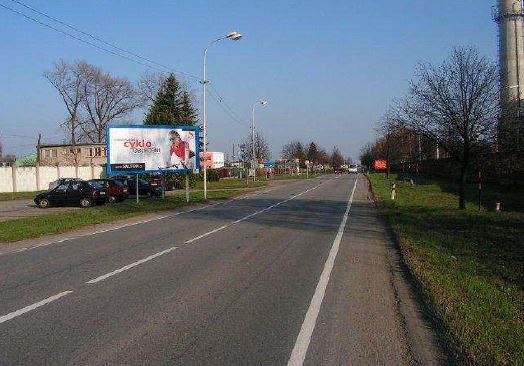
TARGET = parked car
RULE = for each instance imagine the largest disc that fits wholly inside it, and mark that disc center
(75, 192)
(115, 190)
(144, 187)
(55, 183)
(156, 181)
(339, 171)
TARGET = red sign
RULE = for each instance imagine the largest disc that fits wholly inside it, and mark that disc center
(381, 165)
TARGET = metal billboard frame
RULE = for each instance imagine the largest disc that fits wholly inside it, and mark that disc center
(196, 129)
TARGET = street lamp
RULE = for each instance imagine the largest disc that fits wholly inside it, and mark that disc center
(234, 36)
(260, 102)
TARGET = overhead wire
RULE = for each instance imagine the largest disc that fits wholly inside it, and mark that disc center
(98, 39)
(217, 97)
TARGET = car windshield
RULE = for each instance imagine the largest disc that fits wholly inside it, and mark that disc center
(97, 184)
(118, 183)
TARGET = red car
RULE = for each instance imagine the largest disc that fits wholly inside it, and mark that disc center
(116, 191)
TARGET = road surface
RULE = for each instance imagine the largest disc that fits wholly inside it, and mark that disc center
(300, 274)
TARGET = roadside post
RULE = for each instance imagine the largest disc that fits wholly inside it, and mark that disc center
(187, 187)
(307, 168)
(393, 191)
(480, 191)
(136, 187)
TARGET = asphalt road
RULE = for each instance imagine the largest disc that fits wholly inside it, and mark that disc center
(302, 274)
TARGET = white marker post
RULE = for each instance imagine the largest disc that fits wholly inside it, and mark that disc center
(136, 187)
(187, 187)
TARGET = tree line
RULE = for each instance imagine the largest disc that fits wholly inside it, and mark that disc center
(451, 110)
(315, 154)
(94, 98)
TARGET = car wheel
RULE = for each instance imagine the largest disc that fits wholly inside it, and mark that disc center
(111, 199)
(44, 203)
(86, 202)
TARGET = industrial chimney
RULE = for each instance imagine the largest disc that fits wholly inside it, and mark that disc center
(510, 18)
(509, 15)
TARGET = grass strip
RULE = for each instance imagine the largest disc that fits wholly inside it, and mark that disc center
(32, 227)
(18, 196)
(470, 265)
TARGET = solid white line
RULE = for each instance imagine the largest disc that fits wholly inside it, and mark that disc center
(129, 266)
(29, 308)
(298, 354)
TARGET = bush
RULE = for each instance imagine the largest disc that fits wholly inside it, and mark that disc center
(179, 180)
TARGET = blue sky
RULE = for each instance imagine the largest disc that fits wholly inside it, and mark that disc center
(328, 68)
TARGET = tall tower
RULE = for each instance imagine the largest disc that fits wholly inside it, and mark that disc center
(509, 15)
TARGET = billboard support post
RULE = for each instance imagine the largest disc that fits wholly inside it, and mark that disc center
(187, 188)
(136, 188)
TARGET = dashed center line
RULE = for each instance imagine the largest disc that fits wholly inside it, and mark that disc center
(34, 306)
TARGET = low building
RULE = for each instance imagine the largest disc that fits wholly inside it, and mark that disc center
(80, 154)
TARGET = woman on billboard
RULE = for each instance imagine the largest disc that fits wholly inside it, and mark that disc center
(180, 154)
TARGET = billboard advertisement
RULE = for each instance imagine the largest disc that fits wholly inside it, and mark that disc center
(151, 149)
(212, 160)
(380, 165)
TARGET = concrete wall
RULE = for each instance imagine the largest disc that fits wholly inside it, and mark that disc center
(29, 179)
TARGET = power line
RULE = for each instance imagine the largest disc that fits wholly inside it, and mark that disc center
(217, 97)
(76, 29)
(227, 106)
(104, 49)
(226, 111)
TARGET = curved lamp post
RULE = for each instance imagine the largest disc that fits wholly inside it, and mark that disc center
(234, 36)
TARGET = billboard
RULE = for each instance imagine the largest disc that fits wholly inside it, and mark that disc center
(212, 160)
(150, 149)
(380, 165)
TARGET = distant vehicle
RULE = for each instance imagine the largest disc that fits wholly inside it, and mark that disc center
(71, 192)
(339, 171)
(115, 190)
(144, 187)
(353, 168)
(157, 182)
(55, 183)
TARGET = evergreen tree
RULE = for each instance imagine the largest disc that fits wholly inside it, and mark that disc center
(189, 114)
(313, 153)
(168, 103)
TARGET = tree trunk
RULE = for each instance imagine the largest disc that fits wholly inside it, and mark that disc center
(462, 186)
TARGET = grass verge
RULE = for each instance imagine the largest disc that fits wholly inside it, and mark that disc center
(18, 196)
(470, 265)
(32, 227)
(232, 183)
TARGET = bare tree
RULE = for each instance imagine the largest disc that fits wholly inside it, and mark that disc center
(106, 98)
(294, 150)
(149, 85)
(69, 79)
(261, 148)
(455, 104)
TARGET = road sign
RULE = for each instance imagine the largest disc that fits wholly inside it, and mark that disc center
(380, 165)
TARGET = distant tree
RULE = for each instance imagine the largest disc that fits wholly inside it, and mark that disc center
(262, 150)
(456, 105)
(337, 159)
(69, 79)
(312, 153)
(150, 85)
(294, 150)
(166, 108)
(366, 156)
(323, 157)
(106, 98)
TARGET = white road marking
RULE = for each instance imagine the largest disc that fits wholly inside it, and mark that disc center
(114, 228)
(34, 306)
(129, 266)
(248, 216)
(299, 352)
